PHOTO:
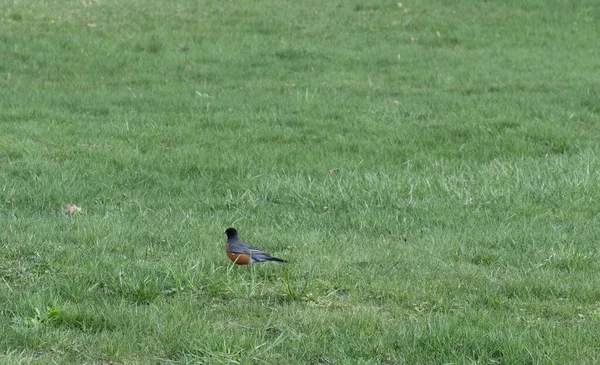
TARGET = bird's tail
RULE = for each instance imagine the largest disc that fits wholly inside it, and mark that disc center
(276, 259)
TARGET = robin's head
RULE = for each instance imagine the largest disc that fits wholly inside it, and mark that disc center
(231, 232)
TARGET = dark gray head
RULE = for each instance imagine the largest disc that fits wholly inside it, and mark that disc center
(231, 233)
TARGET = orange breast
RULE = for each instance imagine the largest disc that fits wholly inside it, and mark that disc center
(238, 258)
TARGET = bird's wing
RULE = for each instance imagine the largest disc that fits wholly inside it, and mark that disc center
(258, 255)
(239, 246)
(253, 251)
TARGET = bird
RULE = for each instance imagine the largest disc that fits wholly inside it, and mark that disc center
(242, 253)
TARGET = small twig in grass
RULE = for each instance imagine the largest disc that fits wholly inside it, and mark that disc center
(393, 266)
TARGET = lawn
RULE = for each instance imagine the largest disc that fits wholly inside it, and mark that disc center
(431, 170)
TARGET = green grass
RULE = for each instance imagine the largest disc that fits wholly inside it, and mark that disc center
(437, 197)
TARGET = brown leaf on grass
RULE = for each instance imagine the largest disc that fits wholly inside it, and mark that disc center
(413, 39)
(393, 101)
(72, 209)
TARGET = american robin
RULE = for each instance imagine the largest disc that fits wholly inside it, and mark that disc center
(242, 253)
